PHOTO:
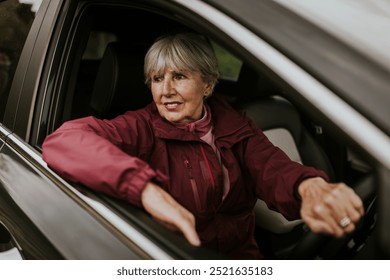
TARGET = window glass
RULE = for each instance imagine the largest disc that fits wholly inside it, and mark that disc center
(16, 17)
(229, 65)
(97, 43)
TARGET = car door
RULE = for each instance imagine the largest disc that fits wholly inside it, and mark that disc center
(40, 214)
(47, 217)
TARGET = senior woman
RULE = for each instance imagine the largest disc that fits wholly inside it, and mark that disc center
(193, 162)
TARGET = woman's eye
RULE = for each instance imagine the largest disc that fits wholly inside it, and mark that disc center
(157, 79)
(179, 76)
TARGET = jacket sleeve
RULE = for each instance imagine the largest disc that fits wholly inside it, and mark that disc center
(92, 152)
(276, 176)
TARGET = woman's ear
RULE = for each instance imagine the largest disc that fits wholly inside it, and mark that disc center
(208, 90)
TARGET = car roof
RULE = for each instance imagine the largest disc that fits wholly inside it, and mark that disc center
(352, 65)
(360, 23)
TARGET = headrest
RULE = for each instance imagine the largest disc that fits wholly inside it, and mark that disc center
(119, 84)
(253, 85)
(275, 112)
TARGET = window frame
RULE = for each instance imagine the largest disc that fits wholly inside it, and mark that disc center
(9, 98)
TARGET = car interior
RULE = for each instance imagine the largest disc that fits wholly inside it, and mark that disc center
(105, 78)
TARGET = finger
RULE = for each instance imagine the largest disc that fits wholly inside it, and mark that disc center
(184, 221)
(345, 206)
(163, 207)
(352, 208)
(356, 206)
(186, 224)
(318, 226)
(346, 224)
(192, 237)
(324, 214)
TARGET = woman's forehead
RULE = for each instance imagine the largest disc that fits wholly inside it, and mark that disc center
(167, 64)
(163, 63)
(169, 69)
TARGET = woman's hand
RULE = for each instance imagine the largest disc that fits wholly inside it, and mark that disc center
(165, 209)
(329, 208)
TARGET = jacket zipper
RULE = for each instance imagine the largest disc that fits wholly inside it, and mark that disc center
(208, 167)
(194, 187)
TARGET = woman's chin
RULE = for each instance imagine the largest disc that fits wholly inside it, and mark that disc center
(172, 118)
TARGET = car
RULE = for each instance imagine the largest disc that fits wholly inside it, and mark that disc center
(313, 75)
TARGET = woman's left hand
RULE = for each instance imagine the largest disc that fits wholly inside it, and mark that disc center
(329, 208)
(165, 209)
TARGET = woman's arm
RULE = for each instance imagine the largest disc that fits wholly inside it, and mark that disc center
(275, 175)
(91, 152)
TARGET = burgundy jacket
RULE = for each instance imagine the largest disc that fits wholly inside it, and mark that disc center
(119, 156)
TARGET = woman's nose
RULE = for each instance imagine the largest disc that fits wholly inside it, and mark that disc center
(168, 88)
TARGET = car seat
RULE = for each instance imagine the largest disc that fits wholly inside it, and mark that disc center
(119, 84)
(281, 123)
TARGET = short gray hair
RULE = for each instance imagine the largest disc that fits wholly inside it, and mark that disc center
(183, 51)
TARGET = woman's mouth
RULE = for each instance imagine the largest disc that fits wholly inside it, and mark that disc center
(171, 106)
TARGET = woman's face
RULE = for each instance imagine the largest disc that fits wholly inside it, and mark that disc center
(179, 95)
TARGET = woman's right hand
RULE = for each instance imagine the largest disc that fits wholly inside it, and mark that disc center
(165, 209)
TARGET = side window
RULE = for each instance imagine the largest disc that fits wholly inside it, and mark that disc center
(88, 67)
(229, 65)
(119, 33)
(96, 45)
(16, 17)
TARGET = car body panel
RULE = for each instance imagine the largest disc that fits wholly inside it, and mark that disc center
(54, 215)
(342, 67)
(18, 82)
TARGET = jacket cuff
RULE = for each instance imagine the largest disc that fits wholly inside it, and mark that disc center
(317, 173)
(135, 183)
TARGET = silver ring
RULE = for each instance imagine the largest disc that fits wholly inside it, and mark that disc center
(344, 222)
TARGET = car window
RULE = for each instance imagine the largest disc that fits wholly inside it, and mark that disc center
(16, 18)
(90, 38)
(97, 43)
(229, 66)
